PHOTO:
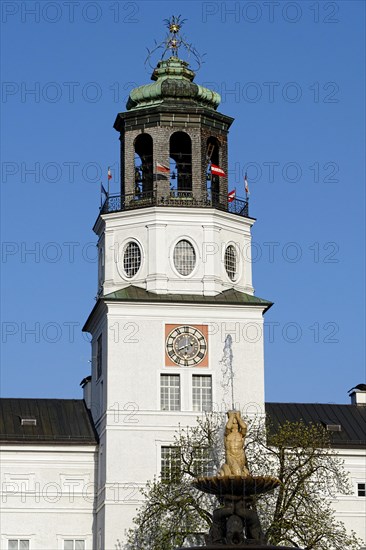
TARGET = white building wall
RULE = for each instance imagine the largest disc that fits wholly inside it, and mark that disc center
(47, 494)
(126, 398)
(133, 427)
(351, 509)
(136, 352)
(157, 230)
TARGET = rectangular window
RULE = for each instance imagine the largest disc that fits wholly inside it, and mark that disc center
(170, 392)
(74, 544)
(201, 393)
(99, 356)
(203, 464)
(18, 544)
(170, 464)
(361, 489)
(28, 422)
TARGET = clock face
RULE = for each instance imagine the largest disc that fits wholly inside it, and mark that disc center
(186, 346)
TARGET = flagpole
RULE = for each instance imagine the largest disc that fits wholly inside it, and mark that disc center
(246, 187)
(155, 182)
(103, 192)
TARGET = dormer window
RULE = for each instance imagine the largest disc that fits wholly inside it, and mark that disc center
(332, 426)
(28, 421)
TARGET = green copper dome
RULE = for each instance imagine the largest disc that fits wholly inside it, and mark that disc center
(173, 84)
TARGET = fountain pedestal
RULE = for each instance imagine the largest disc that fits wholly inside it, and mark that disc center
(236, 524)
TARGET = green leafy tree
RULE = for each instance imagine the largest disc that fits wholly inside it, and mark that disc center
(299, 513)
(174, 512)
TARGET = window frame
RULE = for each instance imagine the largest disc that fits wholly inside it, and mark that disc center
(169, 389)
(205, 462)
(361, 489)
(137, 246)
(164, 470)
(74, 540)
(233, 276)
(18, 540)
(184, 238)
(201, 389)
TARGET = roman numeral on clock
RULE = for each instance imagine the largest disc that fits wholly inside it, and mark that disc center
(186, 346)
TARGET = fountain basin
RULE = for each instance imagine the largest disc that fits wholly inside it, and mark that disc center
(236, 486)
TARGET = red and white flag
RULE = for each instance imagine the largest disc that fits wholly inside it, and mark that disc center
(246, 186)
(231, 195)
(109, 174)
(217, 171)
(162, 168)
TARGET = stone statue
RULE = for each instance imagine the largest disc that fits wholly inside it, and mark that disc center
(235, 524)
(232, 519)
(235, 432)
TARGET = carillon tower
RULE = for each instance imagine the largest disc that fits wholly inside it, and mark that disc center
(175, 295)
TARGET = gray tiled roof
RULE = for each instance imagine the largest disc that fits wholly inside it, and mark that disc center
(66, 421)
(132, 293)
(229, 297)
(351, 418)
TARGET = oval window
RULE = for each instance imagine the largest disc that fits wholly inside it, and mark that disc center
(131, 259)
(184, 257)
(230, 262)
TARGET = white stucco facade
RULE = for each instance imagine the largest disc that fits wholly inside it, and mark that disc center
(351, 509)
(47, 494)
(157, 231)
(126, 397)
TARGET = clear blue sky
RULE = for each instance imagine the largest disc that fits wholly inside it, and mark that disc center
(293, 76)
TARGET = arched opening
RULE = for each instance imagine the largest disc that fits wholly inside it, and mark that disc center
(143, 164)
(181, 153)
(213, 149)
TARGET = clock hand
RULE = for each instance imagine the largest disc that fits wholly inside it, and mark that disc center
(184, 345)
(188, 344)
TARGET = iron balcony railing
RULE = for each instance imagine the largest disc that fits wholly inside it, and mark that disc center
(118, 203)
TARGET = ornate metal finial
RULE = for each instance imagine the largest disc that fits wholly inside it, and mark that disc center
(174, 25)
(173, 41)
